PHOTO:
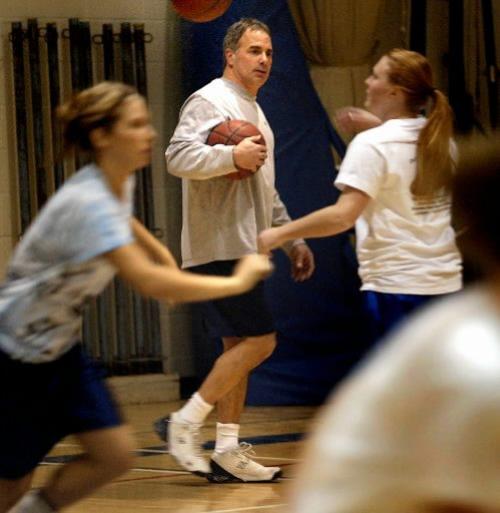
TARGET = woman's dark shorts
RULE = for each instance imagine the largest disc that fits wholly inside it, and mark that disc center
(42, 403)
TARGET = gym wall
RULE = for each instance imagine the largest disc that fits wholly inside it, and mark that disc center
(163, 96)
(164, 93)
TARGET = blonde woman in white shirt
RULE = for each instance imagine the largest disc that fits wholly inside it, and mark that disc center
(394, 191)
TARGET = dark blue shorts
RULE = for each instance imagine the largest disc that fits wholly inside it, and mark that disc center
(246, 315)
(384, 311)
(42, 403)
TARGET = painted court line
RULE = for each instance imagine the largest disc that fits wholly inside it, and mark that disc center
(277, 458)
(137, 469)
(250, 508)
(253, 440)
(171, 473)
(159, 470)
(158, 450)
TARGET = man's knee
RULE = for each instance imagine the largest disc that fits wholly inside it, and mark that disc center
(251, 351)
(265, 345)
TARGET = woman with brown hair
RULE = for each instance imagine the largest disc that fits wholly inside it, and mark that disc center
(83, 236)
(394, 190)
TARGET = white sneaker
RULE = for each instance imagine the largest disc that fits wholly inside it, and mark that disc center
(235, 465)
(183, 444)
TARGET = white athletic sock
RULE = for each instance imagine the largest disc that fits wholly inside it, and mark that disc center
(227, 437)
(195, 411)
(32, 502)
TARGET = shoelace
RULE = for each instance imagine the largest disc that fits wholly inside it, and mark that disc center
(244, 451)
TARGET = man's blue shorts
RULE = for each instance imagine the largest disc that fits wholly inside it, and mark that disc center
(245, 315)
(42, 403)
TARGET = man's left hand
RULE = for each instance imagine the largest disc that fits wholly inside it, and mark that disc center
(302, 261)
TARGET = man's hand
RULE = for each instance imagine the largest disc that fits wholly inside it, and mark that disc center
(301, 257)
(302, 261)
(250, 153)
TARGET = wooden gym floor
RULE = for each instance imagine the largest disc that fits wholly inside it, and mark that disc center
(158, 484)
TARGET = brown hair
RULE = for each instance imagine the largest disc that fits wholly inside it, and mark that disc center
(95, 107)
(412, 72)
(236, 31)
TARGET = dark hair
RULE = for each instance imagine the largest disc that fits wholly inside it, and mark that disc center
(95, 107)
(476, 193)
(236, 30)
(412, 72)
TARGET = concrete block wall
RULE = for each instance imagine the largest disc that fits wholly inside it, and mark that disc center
(156, 16)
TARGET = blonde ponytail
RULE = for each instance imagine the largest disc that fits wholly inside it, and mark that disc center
(412, 72)
(434, 161)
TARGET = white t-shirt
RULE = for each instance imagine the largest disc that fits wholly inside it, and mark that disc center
(403, 245)
(418, 423)
(58, 266)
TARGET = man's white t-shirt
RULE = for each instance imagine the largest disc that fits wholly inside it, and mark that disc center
(404, 245)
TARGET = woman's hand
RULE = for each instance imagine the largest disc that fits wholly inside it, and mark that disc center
(251, 269)
(352, 120)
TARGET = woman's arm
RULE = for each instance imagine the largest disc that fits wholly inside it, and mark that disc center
(321, 223)
(169, 283)
(352, 120)
(151, 245)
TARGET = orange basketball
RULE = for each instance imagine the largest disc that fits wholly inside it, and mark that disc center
(201, 10)
(231, 132)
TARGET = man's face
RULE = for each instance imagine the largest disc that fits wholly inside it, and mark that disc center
(250, 64)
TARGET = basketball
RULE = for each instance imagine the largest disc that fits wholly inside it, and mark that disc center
(200, 10)
(231, 132)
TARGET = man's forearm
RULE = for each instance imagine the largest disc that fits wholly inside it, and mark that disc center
(197, 161)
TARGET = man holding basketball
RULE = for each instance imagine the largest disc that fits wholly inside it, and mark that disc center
(221, 220)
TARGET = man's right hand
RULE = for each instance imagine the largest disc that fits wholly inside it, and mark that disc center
(249, 153)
